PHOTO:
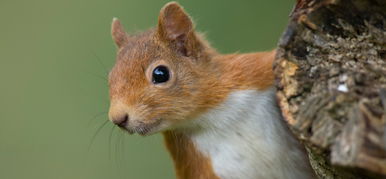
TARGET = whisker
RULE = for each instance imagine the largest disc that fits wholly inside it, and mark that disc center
(97, 76)
(117, 150)
(122, 156)
(100, 62)
(94, 136)
(96, 116)
(121, 153)
(110, 137)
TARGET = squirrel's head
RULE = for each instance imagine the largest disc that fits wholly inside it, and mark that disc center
(161, 76)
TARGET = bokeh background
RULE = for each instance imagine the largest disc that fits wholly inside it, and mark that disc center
(54, 60)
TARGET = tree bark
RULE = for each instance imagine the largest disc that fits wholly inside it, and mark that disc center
(331, 77)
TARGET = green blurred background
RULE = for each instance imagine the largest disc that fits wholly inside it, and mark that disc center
(54, 59)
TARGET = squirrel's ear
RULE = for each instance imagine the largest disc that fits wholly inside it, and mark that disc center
(118, 33)
(175, 27)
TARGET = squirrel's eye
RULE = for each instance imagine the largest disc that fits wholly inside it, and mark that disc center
(160, 74)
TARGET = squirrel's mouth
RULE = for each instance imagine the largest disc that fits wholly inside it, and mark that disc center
(143, 129)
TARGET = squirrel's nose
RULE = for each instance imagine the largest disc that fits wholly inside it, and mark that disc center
(118, 114)
(121, 120)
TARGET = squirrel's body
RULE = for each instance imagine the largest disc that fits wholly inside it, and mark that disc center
(224, 149)
(218, 113)
(219, 140)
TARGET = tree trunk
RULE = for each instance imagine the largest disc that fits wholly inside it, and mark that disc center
(331, 78)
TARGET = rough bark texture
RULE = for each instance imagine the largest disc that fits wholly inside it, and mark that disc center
(331, 77)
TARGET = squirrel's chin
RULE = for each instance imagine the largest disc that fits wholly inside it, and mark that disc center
(147, 129)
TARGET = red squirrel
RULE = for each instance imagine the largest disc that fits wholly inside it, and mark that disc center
(218, 113)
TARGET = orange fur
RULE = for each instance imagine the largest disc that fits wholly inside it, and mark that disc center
(189, 163)
(201, 80)
(246, 71)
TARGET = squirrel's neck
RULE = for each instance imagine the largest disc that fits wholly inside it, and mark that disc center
(241, 137)
(224, 74)
(246, 71)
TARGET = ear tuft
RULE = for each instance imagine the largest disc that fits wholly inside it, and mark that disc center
(173, 21)
(118, 33)
(175, 25)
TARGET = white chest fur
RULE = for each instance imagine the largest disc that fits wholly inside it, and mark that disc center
(245, 138)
